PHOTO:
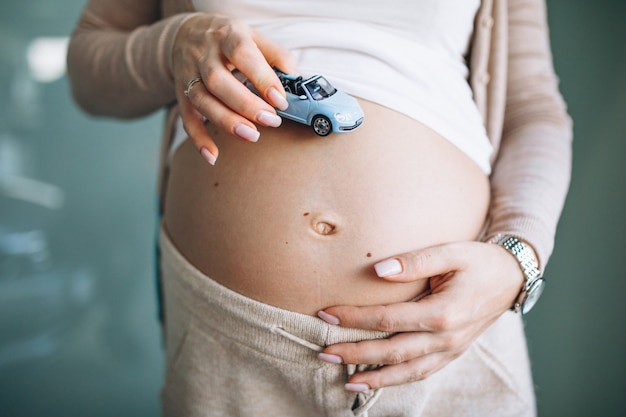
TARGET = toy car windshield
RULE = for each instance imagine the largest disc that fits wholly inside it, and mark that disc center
(320, 88)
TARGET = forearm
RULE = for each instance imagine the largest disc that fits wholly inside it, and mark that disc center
(119, 63)
(529, 186)
(531, 175)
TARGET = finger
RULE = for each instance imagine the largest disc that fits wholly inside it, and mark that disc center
(193, 122)
(433, 313)
(392, 351)
(240, 49)
(393, 318)
(423, 263)
(221, 116)
(222, 84)
(414, 370)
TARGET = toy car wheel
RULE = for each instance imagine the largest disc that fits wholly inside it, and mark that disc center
(321, 125)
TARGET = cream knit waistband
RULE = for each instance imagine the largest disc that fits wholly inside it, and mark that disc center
(220, 309)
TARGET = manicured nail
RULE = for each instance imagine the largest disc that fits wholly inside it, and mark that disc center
(328, 318)
(276, 99)
(247, 133)
(357, 387)
(208, 156)
(328, 358)
(388, 267)
(268, 119)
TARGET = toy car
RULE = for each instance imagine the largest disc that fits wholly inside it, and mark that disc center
(315, 102)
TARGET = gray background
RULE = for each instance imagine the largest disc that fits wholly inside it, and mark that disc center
(78, 329)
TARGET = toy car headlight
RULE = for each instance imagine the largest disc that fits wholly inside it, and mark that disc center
(342, 117)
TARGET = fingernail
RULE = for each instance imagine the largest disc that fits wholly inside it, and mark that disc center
(328, 318)
(276, 99)
(208, 156)
(357, 387)
(328, 358)
(388, 267)
(268, 119)
(247, 133)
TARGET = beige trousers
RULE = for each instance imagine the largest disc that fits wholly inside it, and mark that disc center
(230, 356)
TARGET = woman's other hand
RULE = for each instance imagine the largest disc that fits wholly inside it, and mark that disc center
(471, 285)
(208, 48)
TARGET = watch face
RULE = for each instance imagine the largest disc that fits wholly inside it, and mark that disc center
(533, 294)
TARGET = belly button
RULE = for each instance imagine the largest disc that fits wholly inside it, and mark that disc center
(323, 226)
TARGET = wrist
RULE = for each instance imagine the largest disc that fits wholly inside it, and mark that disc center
(524, 254)
(179, 24)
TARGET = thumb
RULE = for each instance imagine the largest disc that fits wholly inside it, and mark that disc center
(419, 264)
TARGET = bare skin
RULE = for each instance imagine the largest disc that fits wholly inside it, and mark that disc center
(391, 193)
(302, 222)
(298, 221)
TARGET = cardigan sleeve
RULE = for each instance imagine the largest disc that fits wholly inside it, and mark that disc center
(531, 173)
(119, 57)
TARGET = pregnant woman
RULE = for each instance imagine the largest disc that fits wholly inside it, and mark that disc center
(367, 273)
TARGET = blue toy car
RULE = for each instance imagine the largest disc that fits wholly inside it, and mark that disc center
(315, 102)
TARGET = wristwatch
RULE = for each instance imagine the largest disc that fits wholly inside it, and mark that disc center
(534, 284)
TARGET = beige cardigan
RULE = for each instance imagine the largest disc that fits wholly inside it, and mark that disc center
(119, 64)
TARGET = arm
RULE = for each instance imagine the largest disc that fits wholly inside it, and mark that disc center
(531, 174)
(119, 58)
(126, 60)
(474, 283)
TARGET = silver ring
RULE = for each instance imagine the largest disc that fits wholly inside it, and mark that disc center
(190, 85)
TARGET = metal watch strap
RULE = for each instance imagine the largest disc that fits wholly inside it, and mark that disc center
(528, 263)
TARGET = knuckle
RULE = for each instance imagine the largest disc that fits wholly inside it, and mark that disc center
(420, 260)
(448, 343)
(386, 322)
(445, 321)
(441, 323)
(417, 375)
(223, 30)
(212, 78)
(235, 43)
(232, 40)
(395, 356)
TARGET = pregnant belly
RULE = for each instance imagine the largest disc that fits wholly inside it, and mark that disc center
(298, 221)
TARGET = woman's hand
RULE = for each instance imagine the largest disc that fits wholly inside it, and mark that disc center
(208, 48)
(471, 285)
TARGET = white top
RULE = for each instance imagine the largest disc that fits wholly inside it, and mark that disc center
(407, 55)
